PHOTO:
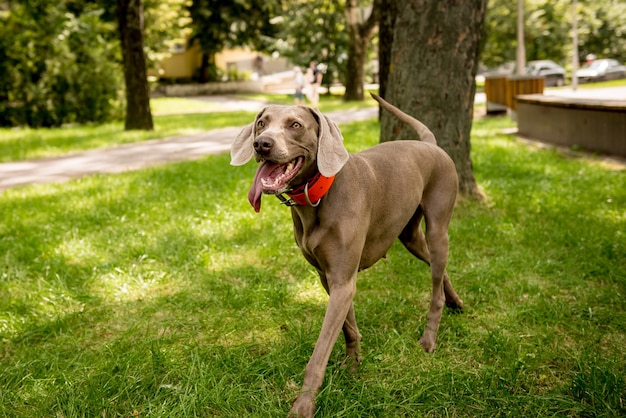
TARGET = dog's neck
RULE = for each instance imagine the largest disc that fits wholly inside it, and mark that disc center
(310, 193)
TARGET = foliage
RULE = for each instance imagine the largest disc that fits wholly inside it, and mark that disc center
(167, 24)
(602, 29)
(500, 31)
(161, 293)
(315, 31)
(548, 26)
(56, 66)
(547, 35)
(219, 24)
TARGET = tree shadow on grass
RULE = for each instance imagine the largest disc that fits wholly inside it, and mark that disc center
(161, 290)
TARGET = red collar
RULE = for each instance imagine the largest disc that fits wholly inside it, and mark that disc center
(310, 193)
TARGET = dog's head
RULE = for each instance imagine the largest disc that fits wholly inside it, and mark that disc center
(293, 143)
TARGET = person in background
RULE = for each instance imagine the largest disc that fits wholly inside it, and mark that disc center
(314, 78)
(258, 65)
(298, 80)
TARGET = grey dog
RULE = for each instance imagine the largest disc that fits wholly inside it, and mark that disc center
(348, 209)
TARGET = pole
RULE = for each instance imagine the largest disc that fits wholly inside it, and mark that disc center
(521, 49)
(575, 49)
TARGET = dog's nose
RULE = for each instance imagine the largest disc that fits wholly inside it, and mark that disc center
(263, 145)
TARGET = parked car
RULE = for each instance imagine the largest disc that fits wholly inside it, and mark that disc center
(553, 73)
(601, 70)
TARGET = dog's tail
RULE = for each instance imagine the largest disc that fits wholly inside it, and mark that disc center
(422, 130)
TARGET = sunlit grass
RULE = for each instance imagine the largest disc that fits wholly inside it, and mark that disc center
(602, 84)
(160, 292)
(26, 143)
(593, 85)
(328, 102)
(173, 117)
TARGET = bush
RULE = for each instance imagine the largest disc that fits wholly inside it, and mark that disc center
(57, 67)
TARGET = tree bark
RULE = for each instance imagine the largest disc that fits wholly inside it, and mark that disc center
(130, 20)
(432, 69)
(359, 34)
(388, 10)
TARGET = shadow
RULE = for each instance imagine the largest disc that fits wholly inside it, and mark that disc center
(162, 290)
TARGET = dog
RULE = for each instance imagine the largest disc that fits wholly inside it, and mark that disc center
(348, 209)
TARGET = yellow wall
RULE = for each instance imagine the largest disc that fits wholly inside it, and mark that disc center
(184, 64)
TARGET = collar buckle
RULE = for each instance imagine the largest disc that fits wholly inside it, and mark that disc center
(285, 200)
(306, 194)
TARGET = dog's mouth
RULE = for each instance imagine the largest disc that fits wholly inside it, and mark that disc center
(272, 178)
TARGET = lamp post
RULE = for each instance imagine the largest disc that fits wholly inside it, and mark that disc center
(575, 49)
(521, 49)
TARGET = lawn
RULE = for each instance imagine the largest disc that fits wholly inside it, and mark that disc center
(172, 116)
(26, 143)
(161, 293)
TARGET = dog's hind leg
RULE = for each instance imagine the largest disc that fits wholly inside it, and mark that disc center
(353, 338)
(414, 240)
(433, 250)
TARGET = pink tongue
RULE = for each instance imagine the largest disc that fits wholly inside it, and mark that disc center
(254, 195)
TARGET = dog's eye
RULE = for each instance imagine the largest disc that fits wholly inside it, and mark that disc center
(260, 124)
(296, 125)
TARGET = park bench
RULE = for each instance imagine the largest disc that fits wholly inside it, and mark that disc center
(587, 124)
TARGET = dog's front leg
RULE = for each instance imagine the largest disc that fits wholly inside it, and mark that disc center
(351, 333)
(339, 303)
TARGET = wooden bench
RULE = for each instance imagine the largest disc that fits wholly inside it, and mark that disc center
(593, 125)
(501, 91)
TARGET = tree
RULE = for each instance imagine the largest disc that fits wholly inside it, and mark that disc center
(219, 24)
(601, 30)
(432, 67)
(315, 30)
(360, 31)
(130, 21)
(386, 24)
(166, 26)
(58, 64)
(546, 31)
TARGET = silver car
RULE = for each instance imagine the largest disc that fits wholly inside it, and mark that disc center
(601, 70)
(553, 73)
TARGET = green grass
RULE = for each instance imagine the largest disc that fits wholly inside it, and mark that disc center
(599, 84)
(26, 143)
(161, 293)
(328, 102)
(173, 117)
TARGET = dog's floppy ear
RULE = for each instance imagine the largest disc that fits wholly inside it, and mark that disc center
(241, 150)
(331, 154)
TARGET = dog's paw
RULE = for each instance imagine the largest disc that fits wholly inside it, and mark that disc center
(455, 305)
(352, 363)
(303, 406)
(428, 343)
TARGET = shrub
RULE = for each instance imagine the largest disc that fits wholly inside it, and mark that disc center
(57, 67)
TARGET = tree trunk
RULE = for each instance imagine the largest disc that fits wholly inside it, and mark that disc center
(130, 20)
(208, 70)
(388, 10)
(359, 34)
(203, 75)
(355, 81)
(432, 69)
